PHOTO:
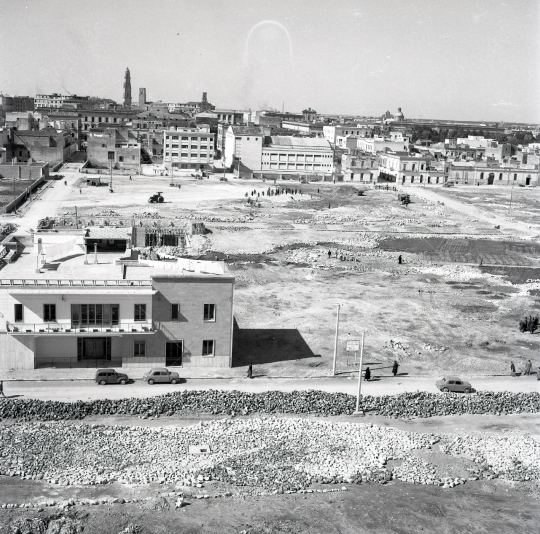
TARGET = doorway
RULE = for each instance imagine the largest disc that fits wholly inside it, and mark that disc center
(173, 353)
(93, 348)
(491, 178)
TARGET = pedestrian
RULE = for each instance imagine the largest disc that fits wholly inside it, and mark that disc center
(395, 368)
(400, 260)
(367, 374)
(329, 205)
(250, 371)
(130, 177)
(512, 368)
(80, 191)
(528, 368)
(2, 389)
(329, 254)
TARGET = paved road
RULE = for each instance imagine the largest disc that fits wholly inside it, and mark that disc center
(87, 389)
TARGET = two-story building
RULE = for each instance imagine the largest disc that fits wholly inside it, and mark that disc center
(406, 168)
(175, 314)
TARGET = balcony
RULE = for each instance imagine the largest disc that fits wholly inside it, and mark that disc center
(41, 329)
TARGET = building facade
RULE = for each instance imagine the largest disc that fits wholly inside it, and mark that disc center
(169, 320)
(298, 155)
(118, 147)
(188, 148)
(244, 143)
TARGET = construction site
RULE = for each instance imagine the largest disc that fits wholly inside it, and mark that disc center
(438, 283)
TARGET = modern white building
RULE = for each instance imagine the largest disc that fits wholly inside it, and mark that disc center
(188, 148)
(396, 141)
(298, 155)
(244, 144)
(121, 312)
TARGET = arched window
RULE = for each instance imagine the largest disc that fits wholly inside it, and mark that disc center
(500, 176)
(481, 176)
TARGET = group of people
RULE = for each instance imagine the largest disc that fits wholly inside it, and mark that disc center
(274, 192)
(527, 370)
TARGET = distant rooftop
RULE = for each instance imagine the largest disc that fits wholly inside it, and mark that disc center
(306, 142)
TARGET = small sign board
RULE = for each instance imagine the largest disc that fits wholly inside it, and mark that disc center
(353, 345)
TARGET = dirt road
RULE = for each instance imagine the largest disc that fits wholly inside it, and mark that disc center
(89, 390)
(47, 203)
(473, 212)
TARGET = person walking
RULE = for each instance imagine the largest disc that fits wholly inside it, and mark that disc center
(528, 368)
(250, 371)
(2, 389)
(512, 368)
(395, 368)
(367, 374)
(400, 260)
(329, 254)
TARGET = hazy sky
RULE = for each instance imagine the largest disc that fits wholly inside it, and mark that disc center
(454, 59)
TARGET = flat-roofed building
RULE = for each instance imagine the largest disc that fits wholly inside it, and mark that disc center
(244, 143)
(174, 314)
(188, 148)
(298, 155)
(396, 141)
(117, 146)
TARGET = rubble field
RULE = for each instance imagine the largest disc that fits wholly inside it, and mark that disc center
(463, 284)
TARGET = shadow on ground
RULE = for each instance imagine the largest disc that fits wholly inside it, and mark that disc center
(268, 345)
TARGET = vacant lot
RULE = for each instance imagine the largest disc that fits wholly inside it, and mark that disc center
(299, 254)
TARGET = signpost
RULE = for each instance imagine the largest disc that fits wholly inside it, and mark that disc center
(353, 345)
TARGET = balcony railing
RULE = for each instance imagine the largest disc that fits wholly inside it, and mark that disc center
(76, 283)
(63, 328)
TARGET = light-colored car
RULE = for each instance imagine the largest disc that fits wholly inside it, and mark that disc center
(110, 376)
(455, 384)
(160, 375)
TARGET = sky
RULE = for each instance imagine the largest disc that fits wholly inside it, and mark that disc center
(440, 59)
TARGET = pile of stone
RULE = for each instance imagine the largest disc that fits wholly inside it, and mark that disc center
(417, 404)
(273, 453)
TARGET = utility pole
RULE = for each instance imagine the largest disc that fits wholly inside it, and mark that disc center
(360, 374)
(76, 218)
(110, 184)
(336, 342)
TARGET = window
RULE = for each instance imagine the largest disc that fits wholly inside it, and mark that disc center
(209, 313)
(208, 347)
(515, 176)
(18, 313)
(481, 176)
(175, 312)
(49, 313)
(120, 158)
(140, 312)
(139, 349)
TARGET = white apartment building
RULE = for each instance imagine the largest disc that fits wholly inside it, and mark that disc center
(244, 143)
(297, 155)
(331, 132)
(188, 148)
(396, 142)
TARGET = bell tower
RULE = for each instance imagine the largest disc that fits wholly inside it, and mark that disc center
(127, 88)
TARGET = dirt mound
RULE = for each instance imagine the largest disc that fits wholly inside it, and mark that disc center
(346, 191)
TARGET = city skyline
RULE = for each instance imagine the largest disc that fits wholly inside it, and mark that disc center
(455, 61)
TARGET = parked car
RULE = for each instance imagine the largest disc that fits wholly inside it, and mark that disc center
(110, 376)
(455, 384)
(161, 375)
(223, 179)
